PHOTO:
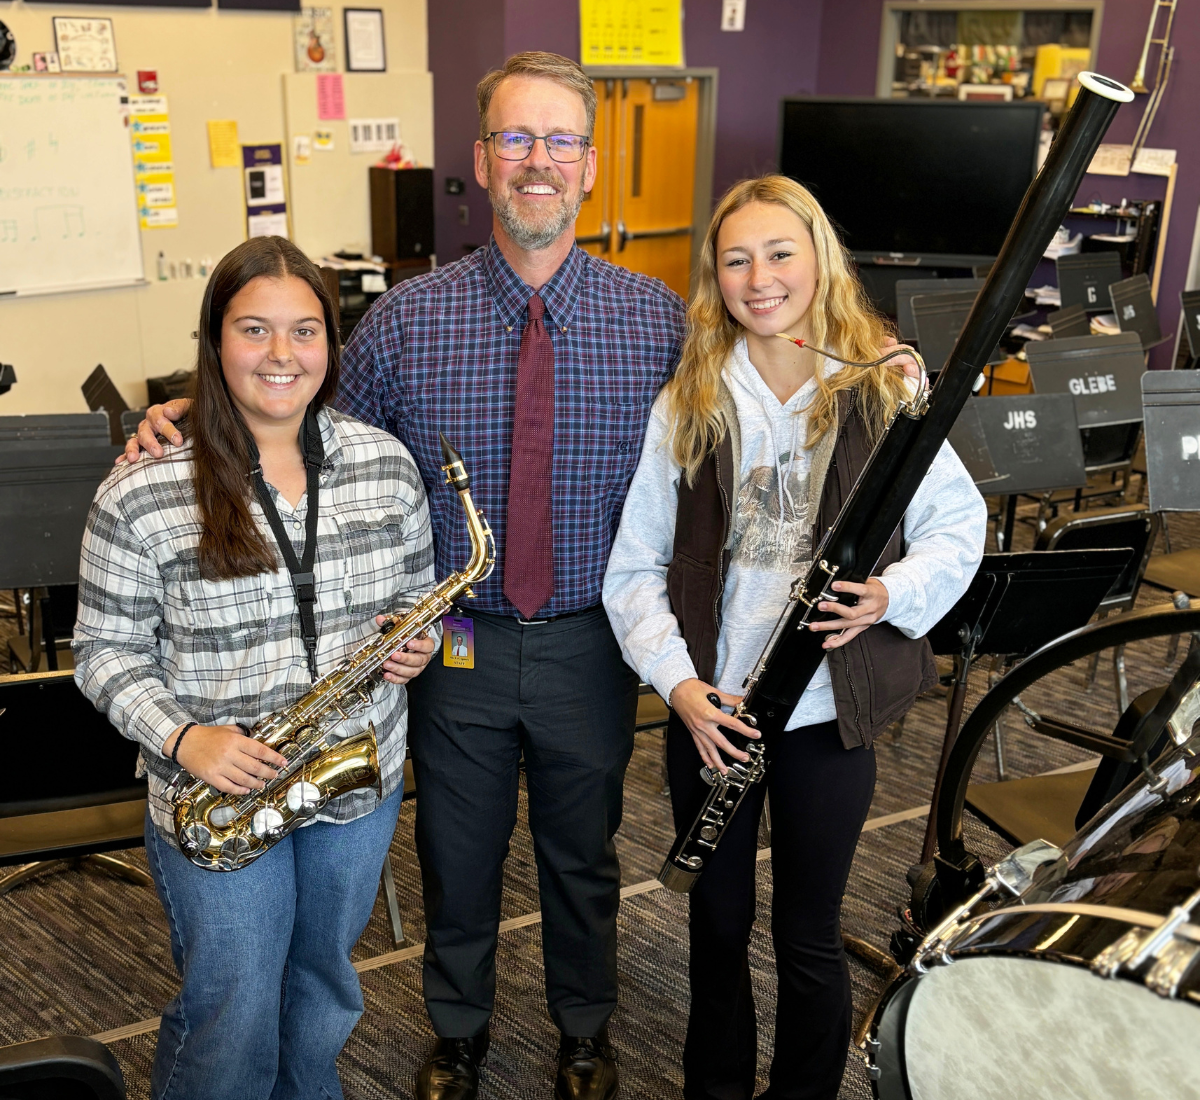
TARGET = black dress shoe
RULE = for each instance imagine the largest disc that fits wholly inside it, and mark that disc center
(587, 1068)
(451, 1072)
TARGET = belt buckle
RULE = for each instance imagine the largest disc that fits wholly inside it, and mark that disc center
(532, 622)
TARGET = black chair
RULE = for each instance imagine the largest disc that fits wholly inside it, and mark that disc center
(67, 790)
(1054, 807)
(50, 622)
(63, 1067)
(1107, 528)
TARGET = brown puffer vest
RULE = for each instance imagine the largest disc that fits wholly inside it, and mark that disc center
(877, 675)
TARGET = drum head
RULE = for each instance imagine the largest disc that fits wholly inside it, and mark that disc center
(1000, 1027)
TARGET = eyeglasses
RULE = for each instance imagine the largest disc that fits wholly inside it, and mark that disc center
(564, 148)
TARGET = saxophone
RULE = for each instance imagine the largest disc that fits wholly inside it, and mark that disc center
(226, 832)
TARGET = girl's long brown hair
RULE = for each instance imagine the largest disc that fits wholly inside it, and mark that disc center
(231, 544)
(841, 319)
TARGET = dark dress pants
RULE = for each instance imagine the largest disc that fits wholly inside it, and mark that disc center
(820, 795)
(560, 694)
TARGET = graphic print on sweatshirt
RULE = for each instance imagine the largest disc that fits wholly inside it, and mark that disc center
(771, 530)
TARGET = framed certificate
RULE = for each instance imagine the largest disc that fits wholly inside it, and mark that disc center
(365, 52)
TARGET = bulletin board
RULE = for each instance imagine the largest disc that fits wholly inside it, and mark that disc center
(68, 206)
(329, 186)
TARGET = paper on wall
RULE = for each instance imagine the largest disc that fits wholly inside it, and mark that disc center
(150, 133)
(1111, 160)
(1154, 162)
(223, 151)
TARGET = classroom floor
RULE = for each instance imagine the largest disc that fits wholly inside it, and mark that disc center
(86, 953)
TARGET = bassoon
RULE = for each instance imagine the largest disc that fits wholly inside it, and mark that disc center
(899, 462)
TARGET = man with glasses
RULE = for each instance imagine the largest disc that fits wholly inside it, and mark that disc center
(540, 364)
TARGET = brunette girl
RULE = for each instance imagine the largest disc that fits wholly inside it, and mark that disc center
(190, 626)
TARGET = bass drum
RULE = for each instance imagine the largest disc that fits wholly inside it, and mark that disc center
(1086, 986)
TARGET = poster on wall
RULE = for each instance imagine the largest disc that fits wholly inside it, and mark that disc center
(631, 32)
(315, 52)
(263, 188)
(153, 167)
(85, 45)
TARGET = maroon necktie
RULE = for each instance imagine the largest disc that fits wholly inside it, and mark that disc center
(529, 544)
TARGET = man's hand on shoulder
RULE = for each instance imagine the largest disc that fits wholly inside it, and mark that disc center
(160, 420)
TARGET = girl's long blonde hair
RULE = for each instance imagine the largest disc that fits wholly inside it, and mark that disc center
(840, 319)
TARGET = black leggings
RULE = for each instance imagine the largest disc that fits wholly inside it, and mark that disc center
(820, 794)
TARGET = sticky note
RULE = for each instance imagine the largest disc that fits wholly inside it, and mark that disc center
(223, 148)
(331, 98)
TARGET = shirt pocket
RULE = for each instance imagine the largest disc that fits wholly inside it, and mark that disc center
(374, 546)
(221, 616)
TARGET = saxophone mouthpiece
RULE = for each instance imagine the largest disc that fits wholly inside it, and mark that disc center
(456, 472)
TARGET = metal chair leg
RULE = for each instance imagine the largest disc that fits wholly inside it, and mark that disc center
(393, 901)
(666, 777)
(111, 864)
(1119, 675)
(998, 739)
(1094, 663)
(766, 817)
(120, 868)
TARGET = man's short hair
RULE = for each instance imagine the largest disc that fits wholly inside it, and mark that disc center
(548, 66)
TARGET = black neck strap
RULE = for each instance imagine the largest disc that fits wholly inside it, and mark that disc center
(303, 577)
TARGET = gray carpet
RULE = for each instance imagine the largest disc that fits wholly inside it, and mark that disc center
(85, 953)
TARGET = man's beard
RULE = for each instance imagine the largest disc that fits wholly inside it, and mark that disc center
(534, 230)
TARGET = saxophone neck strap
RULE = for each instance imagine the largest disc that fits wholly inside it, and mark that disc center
(302, 568)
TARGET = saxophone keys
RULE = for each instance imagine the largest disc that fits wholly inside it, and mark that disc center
(234, 850)
(267, 824)
(194, 838)
(303, 797)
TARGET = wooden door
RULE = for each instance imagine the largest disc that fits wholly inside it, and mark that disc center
(593, 227)
(641, 213)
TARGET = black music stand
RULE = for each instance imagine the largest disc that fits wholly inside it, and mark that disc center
(1189, 342)
(1133, 305)
(906, 289)
(1033, 440)
(8, 377)
(1015, 605)
(1171, 400)
(970, 444)
(1084, 279)
(50, 468)
(938, 320)
(1071, 321)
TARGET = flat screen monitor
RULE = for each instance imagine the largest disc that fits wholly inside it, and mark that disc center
(913, 182)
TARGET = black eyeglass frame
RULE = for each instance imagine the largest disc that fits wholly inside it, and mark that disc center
(587, 144)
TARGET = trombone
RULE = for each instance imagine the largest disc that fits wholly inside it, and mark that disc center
(1165, 58)
(1138, 83)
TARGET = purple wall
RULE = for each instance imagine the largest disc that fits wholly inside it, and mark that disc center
(776, 55)
(848, 68)
(466, 39)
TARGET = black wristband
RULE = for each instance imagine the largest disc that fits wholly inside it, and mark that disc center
(179, 741)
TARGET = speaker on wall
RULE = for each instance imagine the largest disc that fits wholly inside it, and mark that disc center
(401, 213)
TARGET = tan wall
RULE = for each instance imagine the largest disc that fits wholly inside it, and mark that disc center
(211, 65)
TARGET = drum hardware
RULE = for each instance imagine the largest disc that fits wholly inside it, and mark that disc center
(958, 871)
(1172, 955)
(1013, 874)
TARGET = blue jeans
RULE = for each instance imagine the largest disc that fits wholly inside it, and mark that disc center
(269, 995)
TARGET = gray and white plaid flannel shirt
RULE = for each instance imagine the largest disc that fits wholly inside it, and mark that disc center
(156, 645)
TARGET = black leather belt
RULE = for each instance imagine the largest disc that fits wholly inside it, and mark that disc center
(532, 622)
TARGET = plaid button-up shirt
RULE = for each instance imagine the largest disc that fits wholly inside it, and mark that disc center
(439, 353)
(156, 645)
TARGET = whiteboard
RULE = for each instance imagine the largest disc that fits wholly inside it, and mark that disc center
(68, 208)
